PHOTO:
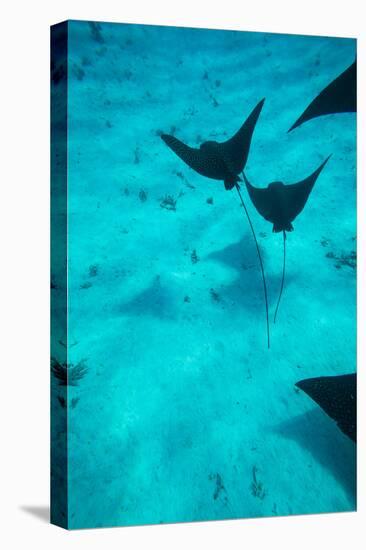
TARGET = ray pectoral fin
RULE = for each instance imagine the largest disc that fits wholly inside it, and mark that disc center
(297, 194)
(195, 158)
(236, 149)
(337, 396)
(340, 96)
(260, 199)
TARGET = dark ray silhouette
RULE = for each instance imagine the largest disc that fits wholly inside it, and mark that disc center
(340, 96)
(225, 161)
(219, 161)
(337, 396)
(280, 204)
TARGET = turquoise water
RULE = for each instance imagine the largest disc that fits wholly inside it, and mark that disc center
(183, 413)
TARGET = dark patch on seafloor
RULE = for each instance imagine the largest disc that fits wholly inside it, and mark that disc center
(155, 300)
(319, 435)
(243, 259)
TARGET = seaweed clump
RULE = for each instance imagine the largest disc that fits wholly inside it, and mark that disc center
(349, 259)
(143, 195)
(256, 486)
(219, 486)
(169, 203)
(68, 374)
(194, 257)
(215, 296)
(96, 32)
(93, 270)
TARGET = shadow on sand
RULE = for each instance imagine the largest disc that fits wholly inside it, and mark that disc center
(242, 257)
(245, 291)
(315, 432)
(155, 301)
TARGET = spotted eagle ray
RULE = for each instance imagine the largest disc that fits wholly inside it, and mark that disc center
(219, 161)
(340, 96)
(337, 396)
(224, 161)
(280, 204)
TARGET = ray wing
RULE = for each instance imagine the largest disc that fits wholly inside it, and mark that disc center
(200, 160)
(337, 396)
(297, 194)
(236, 149)
(340, 96)
(260, 198)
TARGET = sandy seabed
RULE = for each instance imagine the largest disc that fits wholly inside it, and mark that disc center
(183, 413)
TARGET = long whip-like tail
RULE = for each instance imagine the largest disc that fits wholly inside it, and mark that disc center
(260, 261)
(283, 275)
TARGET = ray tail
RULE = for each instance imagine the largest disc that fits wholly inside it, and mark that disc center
(283, 275)
(260, 262)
